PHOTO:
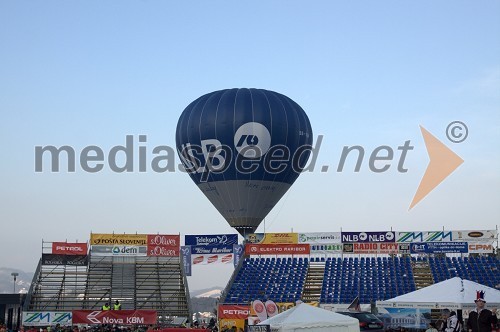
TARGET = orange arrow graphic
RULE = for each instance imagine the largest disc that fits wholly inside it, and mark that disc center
(442, 163)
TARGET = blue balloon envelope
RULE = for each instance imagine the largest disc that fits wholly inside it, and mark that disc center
(244, 148)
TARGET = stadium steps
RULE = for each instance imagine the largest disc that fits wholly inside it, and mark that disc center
(123, 282)
(314, 282)
(422, 274)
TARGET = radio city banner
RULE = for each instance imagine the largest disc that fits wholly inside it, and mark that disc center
(46, 318)
(208, 240)
(66, 248)
(272, 238)
(375, 248)
(122, 317)
(277, 249)
(439, 247)
(118, 239)
(211, 254)
(353, 237)
(320, 238)
(74, 260)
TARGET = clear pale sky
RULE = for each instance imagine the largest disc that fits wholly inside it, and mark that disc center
(367, 73)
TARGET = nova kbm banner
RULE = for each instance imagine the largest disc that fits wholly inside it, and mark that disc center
(118, 239)
(353, 237)
(46, 318)
(439, 247)
(272, 238)
(66, 248)
(205, 240)
(128, 317)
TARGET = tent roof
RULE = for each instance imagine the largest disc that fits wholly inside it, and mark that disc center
(305, 315)
(453, 293)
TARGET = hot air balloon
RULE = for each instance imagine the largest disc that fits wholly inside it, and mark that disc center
(244, 148)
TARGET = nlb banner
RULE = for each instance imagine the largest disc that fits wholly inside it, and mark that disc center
(210, 240)
(320, 238)
(74, 260)
(439, 247)
(277, 249)
(118, 239)
(272, 238)
(427, 236)
(233, 311)
(66, 248)
(163, 245)
(353, 237)
(122, 317)
(47, 318)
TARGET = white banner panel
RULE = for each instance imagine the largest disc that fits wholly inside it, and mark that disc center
(320, 238)
(489, 236)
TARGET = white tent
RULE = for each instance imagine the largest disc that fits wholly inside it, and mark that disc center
(314, 319)
(454, 293)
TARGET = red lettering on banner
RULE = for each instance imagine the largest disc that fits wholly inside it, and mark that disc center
(114, 317)
(227, 311)
(274, 249)
(66, 248)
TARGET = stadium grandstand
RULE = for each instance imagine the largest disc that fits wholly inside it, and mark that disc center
(123, 268)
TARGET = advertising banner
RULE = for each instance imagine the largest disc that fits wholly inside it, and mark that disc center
(226, 324)
(66, 248)
(427, 236)
(74, 260)
(277, 249)
(489, 236)
(335, 248)
(238, 253)
(209, 240)
(259, 328)
(439, 247)
(320, 238)
(480, 248)
(186, 259)
(46, 318)
(215, 249)
(163, 245)
(233, 311)
(119, 317)
(119, 250)
(353, 237)
(211, 259)
(375, 248)
(118, 239)
(272, 238)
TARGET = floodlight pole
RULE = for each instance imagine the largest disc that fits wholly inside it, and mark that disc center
(14, 274)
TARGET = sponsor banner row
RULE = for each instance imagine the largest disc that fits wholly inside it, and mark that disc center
(370, 248)
(67, 248)
(488, 236)
(209, 240)
(47, 318)
(135, 240)
(118, 317)
(74, 260)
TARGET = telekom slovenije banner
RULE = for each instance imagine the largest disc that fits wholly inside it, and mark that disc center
(126, 317)
(277, 249)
